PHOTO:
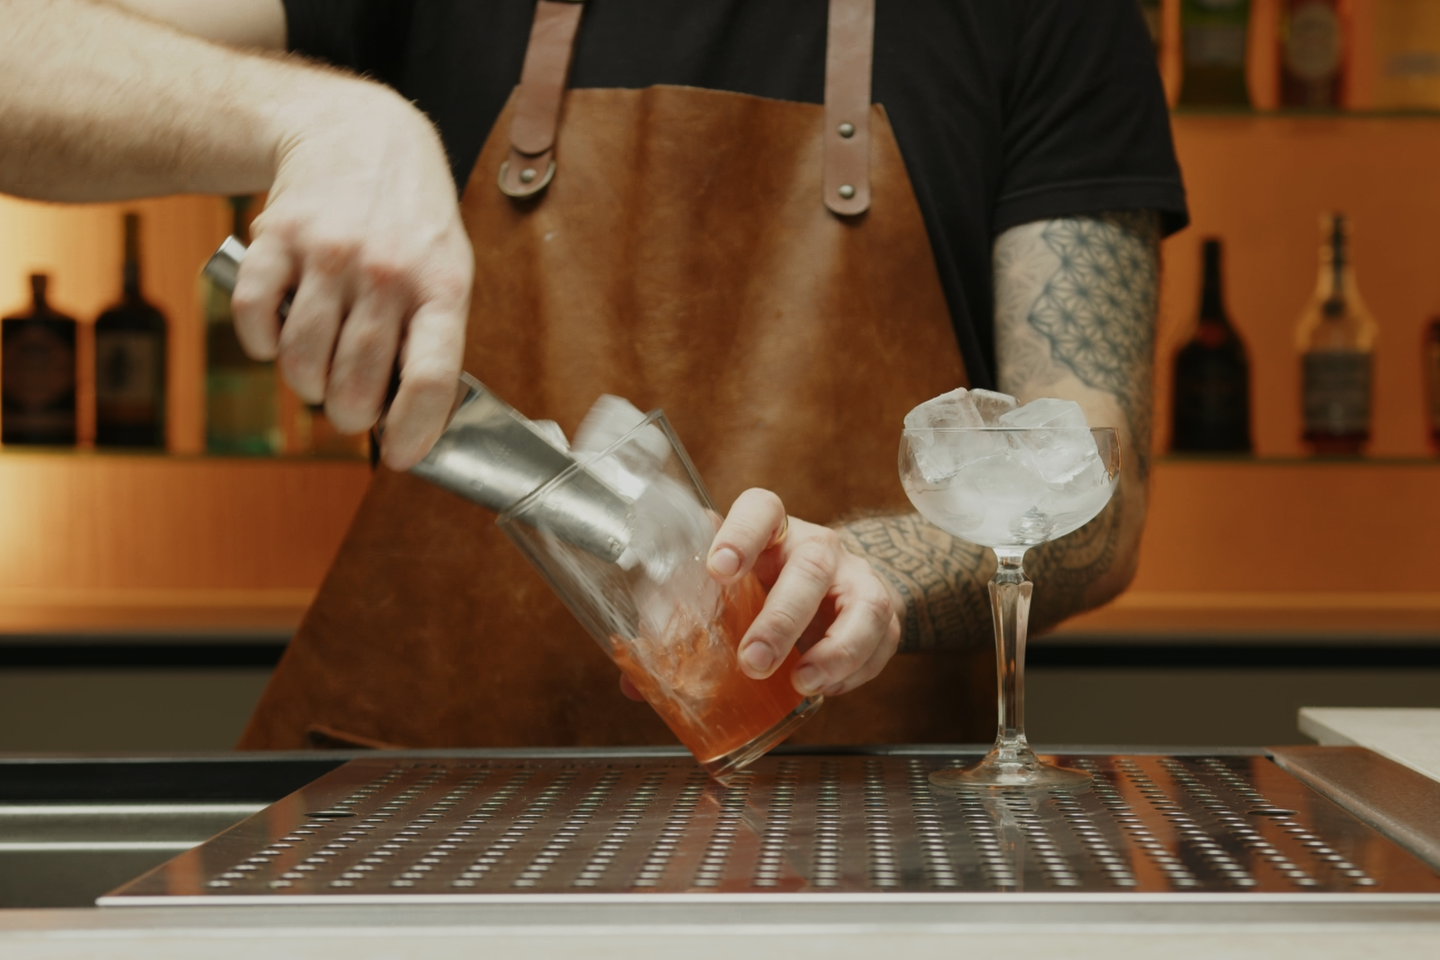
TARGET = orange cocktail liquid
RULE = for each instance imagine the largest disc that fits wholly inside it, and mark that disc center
(738, 709)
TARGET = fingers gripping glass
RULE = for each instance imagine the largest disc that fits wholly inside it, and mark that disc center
(668, 625)
(1010, 490)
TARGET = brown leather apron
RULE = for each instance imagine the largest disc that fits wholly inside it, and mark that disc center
(760, 270)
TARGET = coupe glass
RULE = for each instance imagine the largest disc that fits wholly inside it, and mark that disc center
(1010, 489)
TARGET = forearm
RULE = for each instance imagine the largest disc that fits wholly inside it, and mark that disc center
(99, 104)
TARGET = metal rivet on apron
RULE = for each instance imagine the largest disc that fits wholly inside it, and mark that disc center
(527, 175)
(846, 191)
(847, 130)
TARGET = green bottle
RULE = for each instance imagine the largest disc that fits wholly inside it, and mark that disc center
(1214, 37)
(240, 394)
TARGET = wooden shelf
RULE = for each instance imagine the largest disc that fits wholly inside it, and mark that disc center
(1280, 549)
(146, 544)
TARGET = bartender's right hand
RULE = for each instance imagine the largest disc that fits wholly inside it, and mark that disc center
(363, 225)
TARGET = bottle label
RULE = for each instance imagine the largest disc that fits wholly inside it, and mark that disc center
(1215, 45)
(127, 374)
(37, 368)
(1313, 47)
(1336, 393)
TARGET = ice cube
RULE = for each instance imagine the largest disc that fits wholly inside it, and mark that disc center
(992, 405)
(1061, 445)
(1046, 412)
(953, 409)
(939, 456)
(550, 431)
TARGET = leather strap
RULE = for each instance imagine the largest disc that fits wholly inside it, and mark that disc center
(848, 52)
(531, 164)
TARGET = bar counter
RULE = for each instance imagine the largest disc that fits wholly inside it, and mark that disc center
(213, 792)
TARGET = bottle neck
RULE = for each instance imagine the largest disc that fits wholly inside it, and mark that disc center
(131, 280)
(37, 294)
(1212, 297)
(1335, 265)
(130, 273)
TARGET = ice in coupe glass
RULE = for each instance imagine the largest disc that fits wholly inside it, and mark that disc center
(669, 627)
(1007, 477)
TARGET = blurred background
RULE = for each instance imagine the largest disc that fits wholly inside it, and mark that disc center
(168, 509)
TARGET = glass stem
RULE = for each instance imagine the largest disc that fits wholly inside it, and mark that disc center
(1010, 603)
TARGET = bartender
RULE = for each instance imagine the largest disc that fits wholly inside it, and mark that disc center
(784, 223)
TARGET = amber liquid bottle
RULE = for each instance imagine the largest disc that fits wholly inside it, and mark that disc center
(130, 361)
(1214, 37)
(37, 374)
(1313, 52)
(1212, 375)
(1336, 337)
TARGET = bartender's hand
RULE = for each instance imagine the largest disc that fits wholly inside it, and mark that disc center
(362, 223)
(821, 596)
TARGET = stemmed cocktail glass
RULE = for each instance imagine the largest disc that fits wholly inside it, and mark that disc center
(1010, 489)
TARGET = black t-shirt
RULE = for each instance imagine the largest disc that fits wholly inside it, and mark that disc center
(1006, 111)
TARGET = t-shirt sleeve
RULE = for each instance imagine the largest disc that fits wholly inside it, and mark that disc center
(367, 36)
(1086, 125)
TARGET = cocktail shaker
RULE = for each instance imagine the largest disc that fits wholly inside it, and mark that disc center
(492, 455)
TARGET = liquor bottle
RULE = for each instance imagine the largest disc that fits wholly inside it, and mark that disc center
(1214, 38)
(1313, 54)
(130, 361)
(1212, 375)
(240, 393)
(1335, 337)
(1430, 356)
(1407, 54)
(37, 373)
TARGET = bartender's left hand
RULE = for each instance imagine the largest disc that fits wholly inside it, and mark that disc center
(821, 596)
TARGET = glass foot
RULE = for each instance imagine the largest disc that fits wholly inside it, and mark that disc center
(1010, 766)
(736, 760)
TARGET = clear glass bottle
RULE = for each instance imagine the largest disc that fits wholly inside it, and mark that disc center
(37, 373)
(240, 392)
(130, 367)
(1211, 410)
(1214, 41)
(1336, 338)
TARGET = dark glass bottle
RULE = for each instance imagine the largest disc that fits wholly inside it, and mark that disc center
(1214, 38)
(130, 361)
(1212, 375)
(240, 392)
(1312, 54)
(37, 374)
(1336, 339)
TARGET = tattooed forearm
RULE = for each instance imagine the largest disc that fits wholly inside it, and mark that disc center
(940, 579)
(1075, 317)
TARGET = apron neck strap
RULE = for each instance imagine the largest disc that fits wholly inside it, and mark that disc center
(531, 164)
(849, 47)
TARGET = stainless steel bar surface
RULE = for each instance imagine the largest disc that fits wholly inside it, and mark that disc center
(455, 829)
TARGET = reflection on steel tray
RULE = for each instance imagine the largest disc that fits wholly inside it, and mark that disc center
(464, 829)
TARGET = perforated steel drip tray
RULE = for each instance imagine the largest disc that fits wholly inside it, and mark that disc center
(413, 829)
